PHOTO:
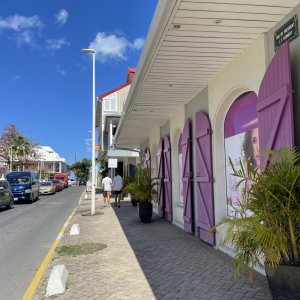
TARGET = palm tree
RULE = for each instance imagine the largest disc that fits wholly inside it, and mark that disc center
(22, 150)
(267, 226)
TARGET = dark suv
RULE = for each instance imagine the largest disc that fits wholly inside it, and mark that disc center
(6, 196)
(82, 182)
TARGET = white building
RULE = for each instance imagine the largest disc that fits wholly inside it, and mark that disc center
(49, 161)
(211, 72)
(109, 111)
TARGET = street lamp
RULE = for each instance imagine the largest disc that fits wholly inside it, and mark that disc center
(93, 52)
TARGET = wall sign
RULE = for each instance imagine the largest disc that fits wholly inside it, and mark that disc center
(113, 163)
(287, 32)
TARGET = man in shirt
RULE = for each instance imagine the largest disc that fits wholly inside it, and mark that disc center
(107, 186)
(118, 186)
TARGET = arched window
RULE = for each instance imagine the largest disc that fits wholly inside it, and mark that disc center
(241, 144)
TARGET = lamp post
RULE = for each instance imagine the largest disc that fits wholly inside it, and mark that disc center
(93, 52)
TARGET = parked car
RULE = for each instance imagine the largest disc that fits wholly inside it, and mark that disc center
(82, 182)
(58, 186)
(47, 187)
(6, 196)
(24, 185)
(63, 177)
(63, 186)
(72, 182)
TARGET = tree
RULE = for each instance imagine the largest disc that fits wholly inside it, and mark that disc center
(22, 150)
(81, 168)
(15, 149)
(10, 132)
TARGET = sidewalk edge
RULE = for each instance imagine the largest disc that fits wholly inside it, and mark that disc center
(40, 272)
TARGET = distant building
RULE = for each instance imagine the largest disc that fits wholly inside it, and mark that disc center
(109, 110)
(49, 161)
(44, 158)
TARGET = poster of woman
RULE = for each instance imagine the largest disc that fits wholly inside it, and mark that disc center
(240, 148)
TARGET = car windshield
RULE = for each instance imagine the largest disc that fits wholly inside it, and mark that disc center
(46, 183)
(18, 180)
(3, 184)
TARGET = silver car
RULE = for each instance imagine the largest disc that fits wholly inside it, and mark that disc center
(47, 187)
(6, 196)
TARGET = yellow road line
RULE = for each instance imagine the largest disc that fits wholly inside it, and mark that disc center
(40, 272)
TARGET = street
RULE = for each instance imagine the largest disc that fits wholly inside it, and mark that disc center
(26, 234)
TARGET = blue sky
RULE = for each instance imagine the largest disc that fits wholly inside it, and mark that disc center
(45, 80)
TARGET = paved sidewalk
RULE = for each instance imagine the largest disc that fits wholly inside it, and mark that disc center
(146, 261)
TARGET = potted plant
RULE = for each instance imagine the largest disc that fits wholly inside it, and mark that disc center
(128, 180)
(143, 190)
(267, 223)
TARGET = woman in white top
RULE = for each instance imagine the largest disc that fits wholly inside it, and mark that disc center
(107, 186)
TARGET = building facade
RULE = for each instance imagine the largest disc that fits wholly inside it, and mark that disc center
(109, 111)
(44, 158)
(216, 80)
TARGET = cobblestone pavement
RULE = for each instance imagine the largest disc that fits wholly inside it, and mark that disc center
(146, 261)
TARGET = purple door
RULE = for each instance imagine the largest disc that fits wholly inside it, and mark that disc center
(204, 178)
(275, 107)
(147, 158)
(160, 175)
(186, 177)
(168, 211)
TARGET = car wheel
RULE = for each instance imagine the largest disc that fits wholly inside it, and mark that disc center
(11, 203)
(38, 196)
(31, 198)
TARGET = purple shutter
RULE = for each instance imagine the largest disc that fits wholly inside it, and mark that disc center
(275, 107)
(186, 177)
(147, 158)
(160, 175)
(167, 180)
(204, 178)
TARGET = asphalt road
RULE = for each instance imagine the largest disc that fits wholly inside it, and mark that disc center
(26, 235)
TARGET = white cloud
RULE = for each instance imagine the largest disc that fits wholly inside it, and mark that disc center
(55, 44)
(19, 23)
(113, 47)
(138, 44)
(25, 38)
(23, 27)
(61, 71)
(62, 17)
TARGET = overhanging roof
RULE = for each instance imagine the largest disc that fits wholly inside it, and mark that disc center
(188, 43)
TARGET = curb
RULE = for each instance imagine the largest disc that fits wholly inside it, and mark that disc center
(40, 272)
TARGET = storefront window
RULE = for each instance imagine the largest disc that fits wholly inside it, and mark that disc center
(241, 145)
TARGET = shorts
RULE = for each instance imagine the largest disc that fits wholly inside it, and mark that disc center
(118, 192)
(106, 193)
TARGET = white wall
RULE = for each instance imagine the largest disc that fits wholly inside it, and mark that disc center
(176, 126)
(243, 74)
(154, 138)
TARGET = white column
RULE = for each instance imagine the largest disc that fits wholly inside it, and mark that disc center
(110, 133)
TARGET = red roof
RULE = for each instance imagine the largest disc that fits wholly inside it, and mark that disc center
(129, 78)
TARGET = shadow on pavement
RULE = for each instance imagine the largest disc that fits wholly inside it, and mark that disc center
(179, 266)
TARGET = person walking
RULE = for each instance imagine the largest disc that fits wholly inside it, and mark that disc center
(118, 186)
(107, 186)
